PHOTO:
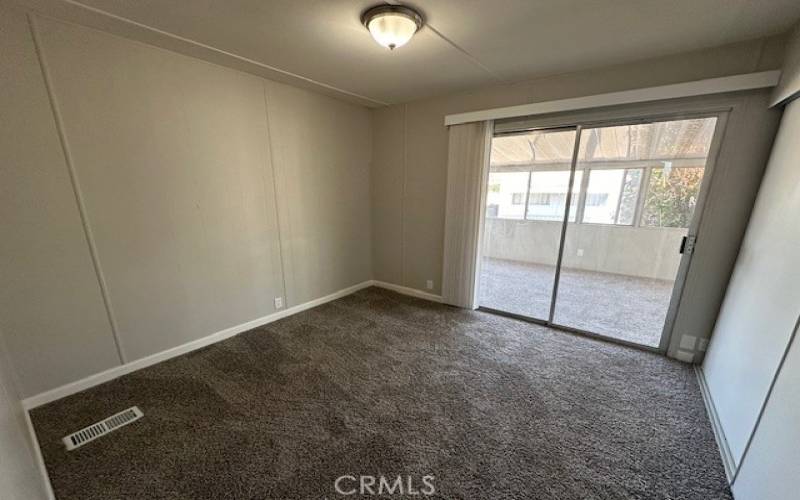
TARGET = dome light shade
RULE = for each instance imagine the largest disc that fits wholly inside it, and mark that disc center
(392, 25)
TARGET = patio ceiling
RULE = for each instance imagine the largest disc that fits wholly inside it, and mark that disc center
(665, 141)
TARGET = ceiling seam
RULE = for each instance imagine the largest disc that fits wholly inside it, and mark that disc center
(467, 54)
(220, 51)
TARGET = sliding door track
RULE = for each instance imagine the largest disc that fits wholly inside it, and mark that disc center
(569, 329)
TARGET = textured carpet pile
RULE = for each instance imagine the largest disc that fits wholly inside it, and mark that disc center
(381, 384)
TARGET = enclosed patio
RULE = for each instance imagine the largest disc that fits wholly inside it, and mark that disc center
(623, 307)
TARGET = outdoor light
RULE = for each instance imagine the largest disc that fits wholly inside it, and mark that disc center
(392, 25)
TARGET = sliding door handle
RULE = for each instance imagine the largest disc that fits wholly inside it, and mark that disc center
(687, 244)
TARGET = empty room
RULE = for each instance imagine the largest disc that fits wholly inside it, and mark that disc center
(456, 249)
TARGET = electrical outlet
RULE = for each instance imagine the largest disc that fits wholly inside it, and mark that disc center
(580, 252)
(688, 342)
(278, 302)
(429, 284)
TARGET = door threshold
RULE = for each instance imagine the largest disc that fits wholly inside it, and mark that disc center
(574, 331)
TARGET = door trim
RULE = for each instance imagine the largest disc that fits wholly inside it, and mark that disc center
(694, 229)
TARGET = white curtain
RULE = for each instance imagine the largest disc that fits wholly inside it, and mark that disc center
(467, 166)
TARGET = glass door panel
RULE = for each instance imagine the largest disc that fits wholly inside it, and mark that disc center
(637, 197)
(526, 203)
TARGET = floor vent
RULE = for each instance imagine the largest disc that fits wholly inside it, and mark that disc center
(94, 431)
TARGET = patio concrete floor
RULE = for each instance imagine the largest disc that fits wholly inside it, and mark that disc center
(622, 307)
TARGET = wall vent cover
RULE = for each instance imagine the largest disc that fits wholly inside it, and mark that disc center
(94, 431)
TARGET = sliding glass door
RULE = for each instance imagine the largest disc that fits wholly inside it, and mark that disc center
(622, 247)
(529, 181)
(585, 226)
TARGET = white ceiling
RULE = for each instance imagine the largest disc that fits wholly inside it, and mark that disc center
(467, 44)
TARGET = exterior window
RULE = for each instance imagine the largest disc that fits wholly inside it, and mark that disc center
(505, 198)
(671, 196)
(602, 196)
(630, 196)
(543, 198)
(596, 199)
(548, 197)
(611, 196)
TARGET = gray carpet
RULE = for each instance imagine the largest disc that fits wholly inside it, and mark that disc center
(622, 307)
(378, 383)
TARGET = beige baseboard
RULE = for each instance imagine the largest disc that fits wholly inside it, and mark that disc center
(118, 371)
(112, 373)
(413, 292)
(38, 458)
(719, 434)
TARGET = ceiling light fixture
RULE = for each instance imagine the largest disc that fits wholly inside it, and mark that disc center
(392, 25)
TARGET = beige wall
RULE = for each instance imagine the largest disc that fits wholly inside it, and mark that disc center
(387, 193)
(186, 171)
(322, 154)
(51, 309)
(772, 465)
(756, 322)
(412, 138)
(171, 166)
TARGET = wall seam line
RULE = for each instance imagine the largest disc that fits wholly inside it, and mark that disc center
(766, 400)
(403, 198)
(73, 176)
(275, 193)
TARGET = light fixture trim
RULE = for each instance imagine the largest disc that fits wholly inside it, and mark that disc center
(384, 10)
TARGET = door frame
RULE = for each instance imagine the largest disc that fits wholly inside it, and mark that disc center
(625, 115)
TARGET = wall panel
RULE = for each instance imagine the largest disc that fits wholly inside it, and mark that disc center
(321, 150)
(772, 464)
(173, 167)
(763, 298)
(171, 157)
(388, 172)
(51, 308)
